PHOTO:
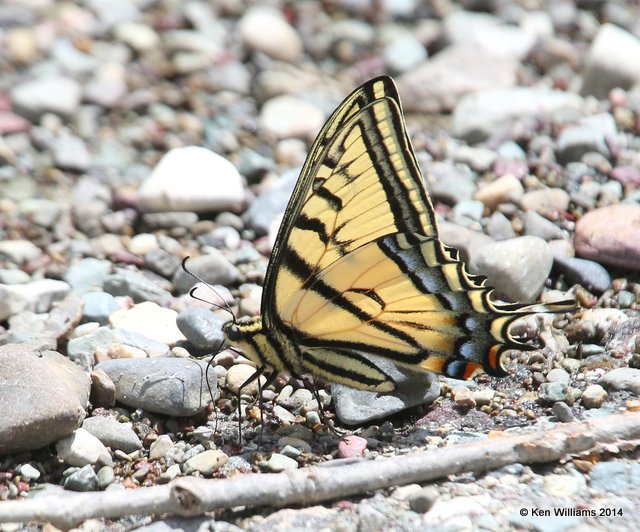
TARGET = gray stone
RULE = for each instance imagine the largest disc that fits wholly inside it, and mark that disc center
(70, 153)
(201, 327)
(518, 268)
(551, 392)
(587, 273)
(355, 407)
(610, 477)
(136, 285)
(622, 379)
(537, 225)
(84, 479)
(478, 115)
(213, 268)
(441, 82)
(112, 433)
(151, 347)
(169, 386)
(270, 204)
(499, 227)
(43, 397)
(98, 306)
(83, 350)
(590, 134)
(54, 94)
(613, 61)
(87, 274)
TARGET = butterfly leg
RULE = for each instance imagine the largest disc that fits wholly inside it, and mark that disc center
(270, 380)
(255, 375)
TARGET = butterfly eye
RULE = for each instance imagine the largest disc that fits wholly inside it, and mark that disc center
(232, 331)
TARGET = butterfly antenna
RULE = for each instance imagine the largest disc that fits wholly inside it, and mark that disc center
(224, 307)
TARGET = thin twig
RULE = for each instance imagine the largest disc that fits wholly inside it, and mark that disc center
(194, 496)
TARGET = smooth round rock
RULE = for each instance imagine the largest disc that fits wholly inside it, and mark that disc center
(610, 235)
(169, 386)
(192, 179)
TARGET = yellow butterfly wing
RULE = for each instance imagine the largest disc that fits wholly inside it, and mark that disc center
(358, 268)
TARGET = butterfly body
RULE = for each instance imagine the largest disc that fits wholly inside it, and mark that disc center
(358, 269)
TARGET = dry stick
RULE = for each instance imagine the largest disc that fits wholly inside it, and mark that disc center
(194, 496)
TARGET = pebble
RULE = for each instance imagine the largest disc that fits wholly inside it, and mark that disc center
(168, 386)
(140, 37)
(270, 203)
(238, 375)
(106, 476)
(36, 296)
(213, 268)
(518, 268)
(19, 251)
(103, 390)
(610, 235)
(56, 94)
(278, 462)
(594, 396)
(551, 392)
(112, 433)
(58, 393)
(423, 500)
(87, 274)
(590, 134)
(536, 225)
(287, 116)
(70, 153)
(264, 29)
(98, 306)
(504, 189)
(160, 447)
(150, 320)
(563, 412)
(622, 379)
(355, 407)
(206, 462)
(192, 179)
(587, 273)
(611, 477)
(479, 114)
(82, 448)
(463, 397)
(441, 82)
(84, 479)
(201, 327)
(558, 375)
(488, 33)
(351, 446)
(28, 472)
(545, 200)
(613, 61)
(564, 485)
(403, 53)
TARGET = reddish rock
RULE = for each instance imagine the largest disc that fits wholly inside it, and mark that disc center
(610, 235)
(351, 446)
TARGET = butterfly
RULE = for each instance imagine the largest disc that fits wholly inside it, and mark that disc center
(357, 267)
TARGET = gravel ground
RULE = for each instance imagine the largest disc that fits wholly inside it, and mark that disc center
(135, 134)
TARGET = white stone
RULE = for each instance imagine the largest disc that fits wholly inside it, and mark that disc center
(142, 243)
(160, 447)
(265, 29)
(287, 116)
(82, 448)
(613, 61)
(192, 179)
(150, 320)
(36, 296)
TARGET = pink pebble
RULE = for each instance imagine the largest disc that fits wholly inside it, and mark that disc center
(351, 446)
